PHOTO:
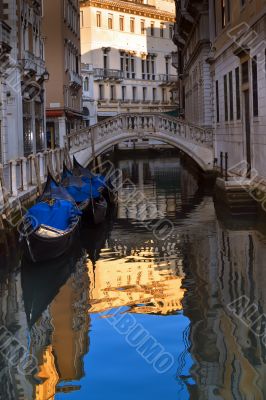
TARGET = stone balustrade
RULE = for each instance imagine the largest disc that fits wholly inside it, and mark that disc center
(28, 174)
(140, 124)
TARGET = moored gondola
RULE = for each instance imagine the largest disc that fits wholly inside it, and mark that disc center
(99, 180)
(87, 195)
(51, 225)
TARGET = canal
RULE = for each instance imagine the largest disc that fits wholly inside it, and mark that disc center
(165, 300)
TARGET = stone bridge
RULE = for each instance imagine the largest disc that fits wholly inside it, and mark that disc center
(90, 142)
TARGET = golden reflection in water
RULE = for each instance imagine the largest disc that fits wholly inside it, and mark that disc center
(142, 280)
(62, 360)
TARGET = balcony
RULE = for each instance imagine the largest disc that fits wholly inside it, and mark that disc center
(29, 62)
(108, 74)
(168, 80)
(5, 31)
(86, 68)
(75, 80)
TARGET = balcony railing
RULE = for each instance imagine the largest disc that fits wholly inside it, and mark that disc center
(86, 68)
(29, 61)
(112, 74)
(75, 79)
(168, 79)
(5, 37)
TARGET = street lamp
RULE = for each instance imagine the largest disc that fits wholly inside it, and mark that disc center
(46, 75)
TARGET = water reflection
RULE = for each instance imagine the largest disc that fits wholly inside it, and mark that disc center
(177, 289)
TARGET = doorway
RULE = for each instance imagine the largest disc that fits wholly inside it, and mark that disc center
(50, 135)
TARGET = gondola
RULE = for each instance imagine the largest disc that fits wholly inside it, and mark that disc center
(87, 196)
(41, 285)
(108, 190)
(93, 239)
(50, 227)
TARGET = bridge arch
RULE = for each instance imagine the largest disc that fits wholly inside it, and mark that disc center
(196, 142)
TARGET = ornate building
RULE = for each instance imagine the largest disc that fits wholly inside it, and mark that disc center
(61, 30)
(129, 44)
(221, 47)
(22, 79)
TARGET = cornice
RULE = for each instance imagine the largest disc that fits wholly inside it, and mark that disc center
(130, 8)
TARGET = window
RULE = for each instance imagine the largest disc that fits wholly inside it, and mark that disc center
(154, 94)
(98, 19)
(161, 29)
(124, 91)
(148, 67)
(143, 69)
(105, 59)
(86, 84)
(134, 93)
(112, 92)
(127, 64)
(163, 95)
(228, 5)
(142, 27)
(245, 72)
(110, 21)
(225, 99)
(153, 67)
(171, 30)
(217, 103)
(237, 78)
(101, 92)
(215, 17)
(223, 12)
(81, 19)
(152, 28)
(167, 65)
(144, 94)
(132, 25)
(121, 23)
(231, 101)
(255, 87)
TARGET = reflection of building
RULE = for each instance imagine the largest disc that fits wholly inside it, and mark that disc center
(62, 360)
(230, 361)
(141, 276)
(129, 45)
(48, 373)
(22, 79)
(151, 197)
(62, 49)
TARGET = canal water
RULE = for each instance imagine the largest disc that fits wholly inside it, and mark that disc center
(165, 300)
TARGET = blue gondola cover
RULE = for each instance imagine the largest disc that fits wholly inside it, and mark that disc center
(57, 214)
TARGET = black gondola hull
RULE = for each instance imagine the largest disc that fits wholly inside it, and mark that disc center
(95, 212)
(39, 248)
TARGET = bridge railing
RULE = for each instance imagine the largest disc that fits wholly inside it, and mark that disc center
(137, 123)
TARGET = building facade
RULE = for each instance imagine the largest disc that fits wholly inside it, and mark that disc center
(88, 100)
(221, 58)
(22, 77)
(61, 31)
(129, 45)
(238, 35)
